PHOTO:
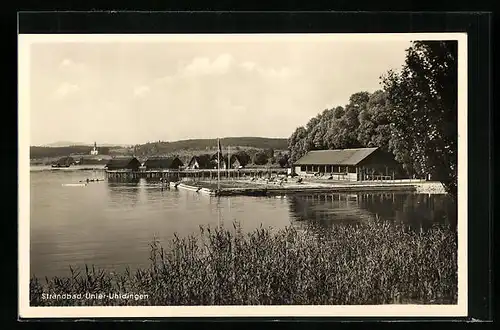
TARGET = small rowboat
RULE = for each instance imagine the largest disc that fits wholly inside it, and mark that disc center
(74, 184)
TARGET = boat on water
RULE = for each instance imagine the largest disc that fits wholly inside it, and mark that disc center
(60, 166)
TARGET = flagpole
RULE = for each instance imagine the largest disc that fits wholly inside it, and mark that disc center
(218, 165)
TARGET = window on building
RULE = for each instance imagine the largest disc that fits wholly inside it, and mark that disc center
(352, 169)
(303, 168)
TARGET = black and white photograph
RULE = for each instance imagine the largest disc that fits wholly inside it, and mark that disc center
(244, 174)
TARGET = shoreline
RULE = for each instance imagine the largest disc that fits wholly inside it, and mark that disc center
(263, 188)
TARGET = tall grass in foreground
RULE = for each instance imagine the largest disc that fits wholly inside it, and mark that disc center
(372, 263)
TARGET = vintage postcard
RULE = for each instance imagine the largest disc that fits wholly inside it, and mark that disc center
(277, 175)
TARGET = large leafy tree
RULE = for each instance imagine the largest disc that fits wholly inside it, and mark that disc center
(348, 124)
(423, 102)
(374, 122)
(260, 158)
(296, 143)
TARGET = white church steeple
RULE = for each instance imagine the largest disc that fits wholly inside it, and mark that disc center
(94, 151)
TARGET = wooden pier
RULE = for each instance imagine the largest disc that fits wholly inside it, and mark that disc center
(199, 174)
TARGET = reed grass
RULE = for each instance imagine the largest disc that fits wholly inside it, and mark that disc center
(371, 263)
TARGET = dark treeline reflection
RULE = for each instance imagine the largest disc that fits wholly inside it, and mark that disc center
(418, 211)
(120, 190)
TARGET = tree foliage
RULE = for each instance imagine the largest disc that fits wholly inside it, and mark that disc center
(362, 122)
(162, 147)
(282, 159)
(260, 158)
(414, 116)
(423, 102)
(242, 156)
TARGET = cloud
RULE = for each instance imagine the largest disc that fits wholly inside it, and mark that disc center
(204, 66)
(248, 66)
(65, 89)
(283, 72)
(200, 66)
(227, 106)
(66, 63)
(141, 91)
(70, 65)
(278, 73)
(164, 80)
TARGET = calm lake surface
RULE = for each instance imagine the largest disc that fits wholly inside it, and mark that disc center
(110, 224)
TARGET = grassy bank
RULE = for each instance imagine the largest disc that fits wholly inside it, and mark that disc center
(374, 263)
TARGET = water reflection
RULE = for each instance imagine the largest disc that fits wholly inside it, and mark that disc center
(111, 223)
(123, 193)
(418, 211)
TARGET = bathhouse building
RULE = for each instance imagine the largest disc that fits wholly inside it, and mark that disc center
(163, 163)
(123, 163)
(349, 164)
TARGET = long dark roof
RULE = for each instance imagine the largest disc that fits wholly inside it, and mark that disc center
(161, 162)
(120, 162)
(335, 157)
(66, 159)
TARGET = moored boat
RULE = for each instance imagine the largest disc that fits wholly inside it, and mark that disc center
(59, 165)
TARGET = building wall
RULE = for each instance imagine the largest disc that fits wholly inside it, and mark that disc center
(352, 176)
(335, 171)
(380, 164)
(235, 164)
(194, 165)
(298, 171)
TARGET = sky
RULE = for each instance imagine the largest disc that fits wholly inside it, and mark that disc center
(121, 92)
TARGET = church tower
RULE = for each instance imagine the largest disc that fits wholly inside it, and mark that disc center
(94, 151)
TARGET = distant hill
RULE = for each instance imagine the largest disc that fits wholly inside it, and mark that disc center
(161, 147)
(71, 144)
(47, 152)
(63, 144)
(197, 144)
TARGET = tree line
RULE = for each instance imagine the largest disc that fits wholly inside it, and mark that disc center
(162, 147)
(247, 157)
(43, 152)
(413, 115)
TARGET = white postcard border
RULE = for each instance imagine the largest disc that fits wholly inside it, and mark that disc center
(26, 311)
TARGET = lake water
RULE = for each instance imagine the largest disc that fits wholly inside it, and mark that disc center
(111, 224)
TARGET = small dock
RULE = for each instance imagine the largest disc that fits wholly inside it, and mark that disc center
(272, 191)
(279, 191)
(197, 174)
(203, 181)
